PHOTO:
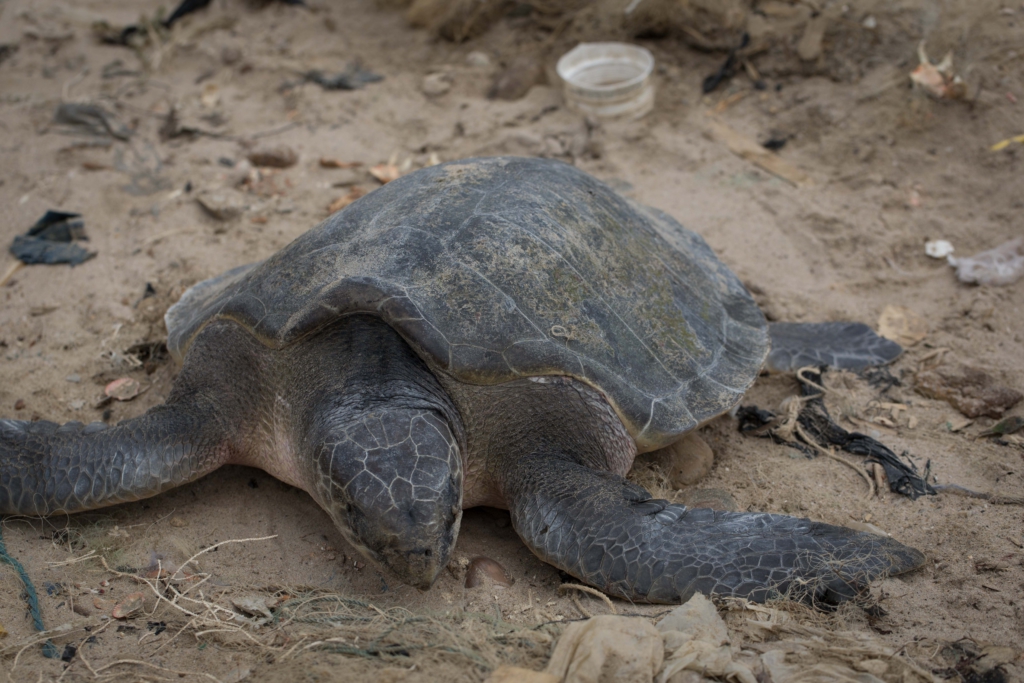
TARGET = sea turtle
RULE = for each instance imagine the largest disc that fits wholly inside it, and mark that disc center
(506, 332)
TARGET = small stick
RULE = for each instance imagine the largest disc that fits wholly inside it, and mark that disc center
(158, 668)
(14, 268)
(879, 472)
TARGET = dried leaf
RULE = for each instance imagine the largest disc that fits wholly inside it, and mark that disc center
(902, 325)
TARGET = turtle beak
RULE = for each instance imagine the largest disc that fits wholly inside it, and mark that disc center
(418, 558)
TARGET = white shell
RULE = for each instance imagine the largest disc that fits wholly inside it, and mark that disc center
(938, 248)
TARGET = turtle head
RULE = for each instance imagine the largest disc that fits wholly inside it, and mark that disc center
(393, 486)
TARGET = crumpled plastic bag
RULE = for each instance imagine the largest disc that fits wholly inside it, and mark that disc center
(608, 649)
(696, 639)
(1002, 265)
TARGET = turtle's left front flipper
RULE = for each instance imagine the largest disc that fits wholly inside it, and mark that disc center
(46, 468)
(608, 533)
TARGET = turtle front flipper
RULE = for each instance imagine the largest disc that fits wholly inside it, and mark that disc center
(609, 533)
(47, 468)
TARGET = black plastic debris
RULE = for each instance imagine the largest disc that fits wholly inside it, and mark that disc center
(91, 119)
(52, 240)
(775, 143)
(728, 68)
(69, 653)
(816, 422)
(185, 8)
(353, 77)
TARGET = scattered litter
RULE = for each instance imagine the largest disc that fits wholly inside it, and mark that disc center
(516, 79)
(129, 605)
(343, 201)
(727, 70)
(687, 461)
(353, 77)
(608, 80)
(222, 205)
(51, 240)
(805, 424)
(745, 147)
(938, 80)
(436, 84)
(902, 325)
(1003, 144)
(1003, 427)
(484, 570)
(328, 162)
(608, 648)
(696, 639)
(123, 389)
(1002, 265)
(279, 156)
(90, 119)
(938, 248)
(971, 391)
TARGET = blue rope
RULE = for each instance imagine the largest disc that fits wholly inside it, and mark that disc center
(49, 649)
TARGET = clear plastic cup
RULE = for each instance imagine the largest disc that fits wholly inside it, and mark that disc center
(608, 80)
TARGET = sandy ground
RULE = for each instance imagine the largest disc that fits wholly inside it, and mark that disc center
(890, 169)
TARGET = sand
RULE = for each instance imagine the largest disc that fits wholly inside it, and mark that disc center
(889, 168)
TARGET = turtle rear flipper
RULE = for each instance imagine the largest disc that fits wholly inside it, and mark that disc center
(609, 533)
(839, 345)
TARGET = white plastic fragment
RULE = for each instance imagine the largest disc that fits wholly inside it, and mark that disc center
(1003, 265)
(938, 248)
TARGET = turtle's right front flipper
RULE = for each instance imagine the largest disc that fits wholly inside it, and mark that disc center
(47, 468)
(608, 533)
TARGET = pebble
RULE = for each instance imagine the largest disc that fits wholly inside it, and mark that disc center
(77, 404)
(483, 570)
(478, 59)
(279, 156)
(223, 206)
(436, 84)
(19, 404)
(74, 379)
